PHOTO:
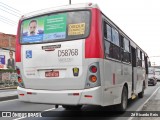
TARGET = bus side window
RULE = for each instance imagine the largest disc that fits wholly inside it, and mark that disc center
(126, 51)
(143, 61)
(105, 30)
(111, 42)
(139, 58)
(107, 38)
(108, 49)
(146, 64)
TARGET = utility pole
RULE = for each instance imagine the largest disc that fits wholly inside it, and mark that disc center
(9, 40)
(70, 2)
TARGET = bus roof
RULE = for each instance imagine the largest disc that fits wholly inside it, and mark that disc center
(74, 7)
(60, 8)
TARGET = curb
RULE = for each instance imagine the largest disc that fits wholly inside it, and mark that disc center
(8, 98)
(8, 88)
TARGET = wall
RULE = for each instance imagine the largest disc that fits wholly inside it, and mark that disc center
(5, 53)
(5, 38)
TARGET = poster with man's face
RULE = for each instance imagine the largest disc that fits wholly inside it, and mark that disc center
(7, 59)
(44, 28)
(32, 30)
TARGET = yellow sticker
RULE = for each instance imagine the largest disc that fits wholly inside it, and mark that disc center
(75, 70)
(76, 29)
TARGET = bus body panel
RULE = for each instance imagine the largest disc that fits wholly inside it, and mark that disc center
(139, 78)
(54, 96)
(63, 97)
(41, 62)
(94, 46)
(115, 76)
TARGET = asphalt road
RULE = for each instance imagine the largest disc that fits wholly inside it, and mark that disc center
(60, 113)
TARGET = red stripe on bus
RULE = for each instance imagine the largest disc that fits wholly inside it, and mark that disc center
(18, 46)
(113, 78)
(94, 43)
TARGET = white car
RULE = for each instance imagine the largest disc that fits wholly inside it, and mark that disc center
(157, 74)
(152, 77)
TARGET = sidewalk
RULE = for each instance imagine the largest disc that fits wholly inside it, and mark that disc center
(153, 105)
(8, 95)
(5, 88)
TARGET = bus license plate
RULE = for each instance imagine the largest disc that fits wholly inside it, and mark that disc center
(52, 74)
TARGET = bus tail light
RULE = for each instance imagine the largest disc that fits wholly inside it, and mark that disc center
(18, 71)
(93, 69)
(20, 80)
(93, 76)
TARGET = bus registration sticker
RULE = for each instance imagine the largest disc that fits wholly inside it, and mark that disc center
(75, 71)
(52, 74)
(76, 29)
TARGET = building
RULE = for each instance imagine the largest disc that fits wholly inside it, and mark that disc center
(7, 41)
(7, 44)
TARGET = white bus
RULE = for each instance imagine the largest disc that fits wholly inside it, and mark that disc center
(74, 55)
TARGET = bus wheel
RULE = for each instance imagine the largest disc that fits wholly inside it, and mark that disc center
(124, 100)
(141, 94)
(72, 107)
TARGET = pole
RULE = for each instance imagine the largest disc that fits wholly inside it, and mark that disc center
(9, 38)
(70, 2)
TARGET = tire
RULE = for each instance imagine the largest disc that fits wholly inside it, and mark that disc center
(124, 100)
(141, 94)
(154, 84)
(72, 107)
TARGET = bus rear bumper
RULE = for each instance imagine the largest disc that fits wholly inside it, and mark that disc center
(92, 96)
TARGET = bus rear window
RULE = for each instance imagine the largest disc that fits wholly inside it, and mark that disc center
(56, 27)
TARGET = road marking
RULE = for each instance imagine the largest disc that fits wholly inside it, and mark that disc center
(140, 108)
(39, 112)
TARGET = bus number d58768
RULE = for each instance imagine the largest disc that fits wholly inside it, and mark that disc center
(68, 52)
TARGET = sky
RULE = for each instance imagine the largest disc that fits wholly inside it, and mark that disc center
(139, 19)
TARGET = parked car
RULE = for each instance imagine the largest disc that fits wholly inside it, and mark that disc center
(152, 77)
(157, 74)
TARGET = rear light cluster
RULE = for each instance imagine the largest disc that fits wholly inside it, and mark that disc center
(93, 76)
(20, 81)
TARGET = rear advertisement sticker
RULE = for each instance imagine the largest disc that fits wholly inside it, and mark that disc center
(76, 29)
(44, 28)
(75, 71)
(55, 27)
